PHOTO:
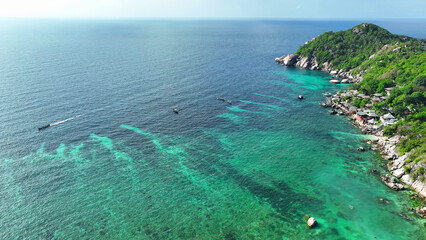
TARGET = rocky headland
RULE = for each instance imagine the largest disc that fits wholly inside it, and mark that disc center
(371, 109)
(295, 60)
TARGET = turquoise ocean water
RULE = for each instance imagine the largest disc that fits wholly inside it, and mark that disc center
(123, 166)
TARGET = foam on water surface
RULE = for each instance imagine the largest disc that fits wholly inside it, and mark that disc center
(238, 109)
(268, 106)
(232, 117)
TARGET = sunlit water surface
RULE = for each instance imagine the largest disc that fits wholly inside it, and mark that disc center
(126, 167)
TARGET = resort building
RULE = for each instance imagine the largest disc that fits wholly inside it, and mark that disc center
(388, 119)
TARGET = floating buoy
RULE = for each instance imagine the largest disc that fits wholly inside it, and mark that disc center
(300, 97)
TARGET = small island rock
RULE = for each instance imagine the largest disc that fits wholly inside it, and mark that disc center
(312, 222)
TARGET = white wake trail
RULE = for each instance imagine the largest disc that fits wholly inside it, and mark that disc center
(66, 120)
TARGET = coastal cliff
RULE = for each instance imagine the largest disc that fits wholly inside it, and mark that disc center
(387, 98)
(295, 60)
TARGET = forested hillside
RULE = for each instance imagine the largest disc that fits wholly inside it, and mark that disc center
(390, 65)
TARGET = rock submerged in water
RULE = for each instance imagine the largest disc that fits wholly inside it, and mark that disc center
(384, 201)
(361, 149)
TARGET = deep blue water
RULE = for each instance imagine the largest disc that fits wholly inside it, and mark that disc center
(52, 70)
(128, 167)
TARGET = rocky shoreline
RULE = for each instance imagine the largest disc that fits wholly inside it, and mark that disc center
(386, 146)
(294, 60)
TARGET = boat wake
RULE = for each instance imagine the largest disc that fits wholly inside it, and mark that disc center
(66, 120)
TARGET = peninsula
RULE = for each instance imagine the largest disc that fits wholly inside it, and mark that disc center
(387, 98)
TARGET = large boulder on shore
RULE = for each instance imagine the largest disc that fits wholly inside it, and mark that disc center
(303, 62)
(391, 182)
(421, 211)
(307, 63)
(417, 185)
(294, 60)
(290, 60)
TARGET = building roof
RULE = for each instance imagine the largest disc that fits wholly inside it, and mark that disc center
(388, 116)
(363, 96)
(389, 122)
(372, 121)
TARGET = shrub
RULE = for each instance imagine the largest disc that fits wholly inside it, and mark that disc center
(407, 169)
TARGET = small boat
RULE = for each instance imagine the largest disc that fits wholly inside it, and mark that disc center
(175, 110)
(229, 101)
(300, 97)
(46, 126)
(221, 99)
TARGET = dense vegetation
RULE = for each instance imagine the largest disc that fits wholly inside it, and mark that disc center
(348, 49)
(401, 67)
(386, 62)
